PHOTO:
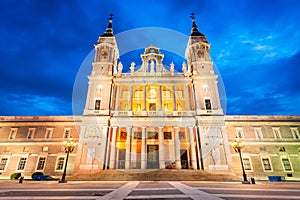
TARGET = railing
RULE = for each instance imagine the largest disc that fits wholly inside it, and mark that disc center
(153, 113)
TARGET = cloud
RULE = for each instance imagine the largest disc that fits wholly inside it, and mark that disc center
(33, 105)
(272, 88)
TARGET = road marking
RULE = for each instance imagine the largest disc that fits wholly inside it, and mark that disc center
(193, 193)
(257, 196)
(45, 197)
(177, 196)
(249, 189)
(122, 192)
(54, 190)
(150, 189)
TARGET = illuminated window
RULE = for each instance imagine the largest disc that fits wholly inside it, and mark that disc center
(166, 94)
(139, 94)
(258, 133)
(22, 163)
(138, 107)
(97, 104)
(207, 104)
(67, 133)
(125, 94)
(295, 133)
(178, 94)
(49, 132)
(286, 164)
(30, 133)
(41, 163)
(247, 163)
(3, 162)
(13, 133)
(179, 107)
(152, 93)
(266, 164)
(276, 132)
(166, 107)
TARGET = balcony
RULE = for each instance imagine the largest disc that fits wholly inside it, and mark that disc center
(153, 113)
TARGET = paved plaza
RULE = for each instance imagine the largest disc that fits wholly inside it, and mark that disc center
(182, 190)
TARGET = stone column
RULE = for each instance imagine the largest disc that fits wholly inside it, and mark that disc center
(160, 99)
(192, 97)
(145, 98)
(177, 148)
(127, 156)
(201, 134)
(117, 98)
(174, 97)
(113, 149)
(161, 149)
(130, 98)
(143, 149)
(193, 151)
(102, 147)
(187, 95)
(107, 159)
(80, 148)
(195, 103)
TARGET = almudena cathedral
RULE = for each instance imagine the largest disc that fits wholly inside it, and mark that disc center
(151, 118)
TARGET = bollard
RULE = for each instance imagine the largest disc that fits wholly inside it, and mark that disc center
(21, 179)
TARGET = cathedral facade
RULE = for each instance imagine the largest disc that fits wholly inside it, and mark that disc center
(151, 118)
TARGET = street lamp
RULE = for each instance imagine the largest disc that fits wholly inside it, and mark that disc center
(237, 146)
(69, 148)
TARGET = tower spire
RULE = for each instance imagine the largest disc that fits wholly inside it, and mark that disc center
(109, 31)
(195, 31)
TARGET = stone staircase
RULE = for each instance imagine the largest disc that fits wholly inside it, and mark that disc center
(153, 175)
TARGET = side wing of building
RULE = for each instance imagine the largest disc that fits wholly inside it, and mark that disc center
(272, 145)
(35, 144)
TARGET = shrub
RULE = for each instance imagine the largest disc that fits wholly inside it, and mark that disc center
(36, 174)
(15, 176)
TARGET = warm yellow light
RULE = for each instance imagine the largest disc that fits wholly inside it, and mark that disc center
(121, 145)
(238, 144)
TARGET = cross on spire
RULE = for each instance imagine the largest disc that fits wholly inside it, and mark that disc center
(110, 16)
(192, 15)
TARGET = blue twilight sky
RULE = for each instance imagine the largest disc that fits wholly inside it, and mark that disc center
(254, 43)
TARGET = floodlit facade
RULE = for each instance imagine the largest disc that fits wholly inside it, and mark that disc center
(151, 117)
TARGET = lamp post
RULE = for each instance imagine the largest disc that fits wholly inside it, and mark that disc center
(237, 146)
(69, 148)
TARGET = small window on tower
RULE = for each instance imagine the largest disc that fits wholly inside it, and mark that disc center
(207, 104)
(200, 52)
(104, 54)
(97, 104)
